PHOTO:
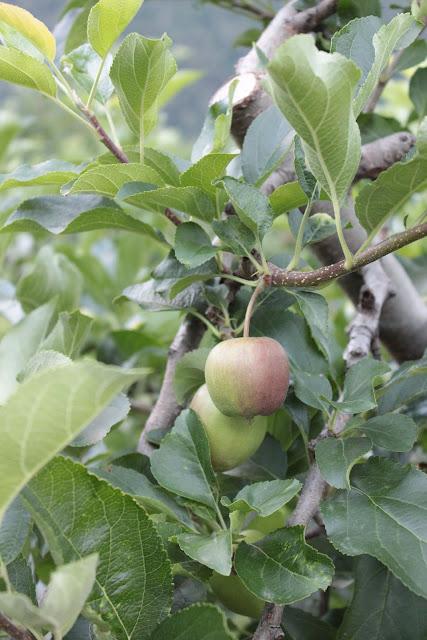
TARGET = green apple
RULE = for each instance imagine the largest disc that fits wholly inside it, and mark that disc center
(248, 376)
(232, 440)
(233, 594)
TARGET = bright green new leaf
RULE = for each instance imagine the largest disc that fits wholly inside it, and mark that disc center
(282, 568)
(193, 246)
(108, 179)
(78, 514)
(337, 456)
(69, 587)
(141, 70)
(18, 68)
(385, 516)
(287, 197)
(28, 26)
(315, 91)
(386, 196)
(107, 21)
(206, 170)
(190, 200)
(213, 550)
(252, 207)
(264, 497)
(198, 622)
(46, 412)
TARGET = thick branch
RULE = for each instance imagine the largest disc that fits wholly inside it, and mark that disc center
(381, 154)
(13, 631)
(167, 409)
(364, 330)
(283, 278)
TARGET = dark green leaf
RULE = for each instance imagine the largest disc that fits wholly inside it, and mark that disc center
(312, 389)
(213, 550)
(418, 91)
(407, 384)
(264, 497)
(193, 246)
(282, 568)
(385, 516)
(358, 394)
(252, 207)
(190, 373)
(15, 528)
(198, 622)
(337, 456)
(392, 431)
(78, 514)
(235, 235)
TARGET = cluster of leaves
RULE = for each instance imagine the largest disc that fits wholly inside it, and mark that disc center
(110, 531)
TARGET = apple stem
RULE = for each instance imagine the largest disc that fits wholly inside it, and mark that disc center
(250, 308)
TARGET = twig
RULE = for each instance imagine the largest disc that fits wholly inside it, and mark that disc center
(250, 308)
(103, 135)
(363, 332)
(283, 278)
(166, 409)
(171, 215)
(13, 631)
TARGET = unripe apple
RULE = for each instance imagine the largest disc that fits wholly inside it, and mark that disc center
(231, 591)
(248, 376)
(232, 440)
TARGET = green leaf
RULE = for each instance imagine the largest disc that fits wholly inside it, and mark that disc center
(78, 514)
(287, 197)
(173, 277)
(299, 70)
(107, 21)
(358, 394)
(235, 235)
(46, 412)
(348, 9)
(100, 426)
(264, 497)
(392, 431)
(21, 610)
(14, 531)
(108, 179)
(337, 456)
(69, 334)
(69, 587)
(318, 226)
(373, 126)
(198, 622)
(265, 146)
(312, 389)
(52, 276)
(213, 550)
(190, 374)
(19, 344)
(412, 56)
(83, 65)
(157, 160)
(141, 69)
(18, 68)
(215, 132)
(301, 625)
(28, 26)
(385, 516)
(21, 577)
(73, 214)
(282, 568)
(291, 331)
(407, 384)
(193, 246)
(152, 498)
(314, 308)
(53, 172)
(252, 207)
(418, 91)
(397, 34)
(203, 173)
(190, 200)
(386, 196)
(306, 179)
(182, 464)
(395, 612)
(149, 296)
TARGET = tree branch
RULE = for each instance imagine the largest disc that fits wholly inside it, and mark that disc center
(13, 631)
(103, 135)
(282, 278)
(167, 409)
(364, 330)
